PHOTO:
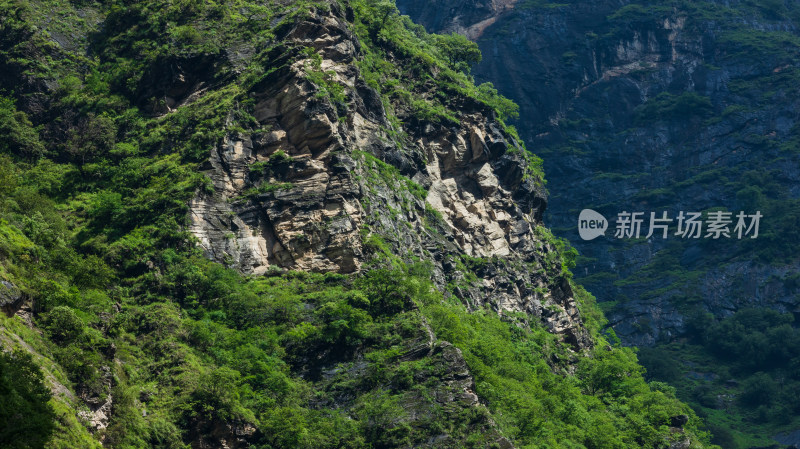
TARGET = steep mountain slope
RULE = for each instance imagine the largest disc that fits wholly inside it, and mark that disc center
(667, 107)
(282, 225)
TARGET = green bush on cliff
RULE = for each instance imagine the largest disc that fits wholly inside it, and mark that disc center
(666, 106)
(746, 363)
(459, 51)
(428, 58)
(606, 404)
(187, 326)
(26, 417)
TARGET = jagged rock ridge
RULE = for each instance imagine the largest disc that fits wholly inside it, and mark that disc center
(324, 194)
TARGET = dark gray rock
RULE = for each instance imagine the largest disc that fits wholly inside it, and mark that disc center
(11, 298)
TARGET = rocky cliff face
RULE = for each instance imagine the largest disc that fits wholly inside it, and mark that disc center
(656, 108)
(306, 189)
(469, 18)
(314, 183)
(292, 224)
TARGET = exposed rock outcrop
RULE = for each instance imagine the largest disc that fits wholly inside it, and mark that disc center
(11, 298)
(304, 190)
(319, 182)
(469, 18)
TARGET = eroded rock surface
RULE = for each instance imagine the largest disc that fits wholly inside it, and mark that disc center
(11, 298)
(303, 190)
(324, 184)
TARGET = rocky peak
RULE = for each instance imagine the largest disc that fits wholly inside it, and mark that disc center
(318, 176)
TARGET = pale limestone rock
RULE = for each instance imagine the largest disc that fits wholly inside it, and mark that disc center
(314, 208)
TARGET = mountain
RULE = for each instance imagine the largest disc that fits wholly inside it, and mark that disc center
(294, 224)
(664, 107)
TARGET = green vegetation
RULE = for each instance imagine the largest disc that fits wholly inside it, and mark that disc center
(739, 372)
(325, 81)
(19, 134)
(93, 206)
(666, 106)
(460, 52)
(533, 4)
(636, 13)
(26, 417)
(381, 173)
(267, 188)
(703, 145)
(606, 403)
(427, 60)
(275, 159)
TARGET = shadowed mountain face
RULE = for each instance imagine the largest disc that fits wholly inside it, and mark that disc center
(470, 17)
(666, 107)
(686, 107)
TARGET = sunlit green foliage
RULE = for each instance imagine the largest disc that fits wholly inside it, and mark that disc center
(26, 417)
(441, 61)
(606, 404)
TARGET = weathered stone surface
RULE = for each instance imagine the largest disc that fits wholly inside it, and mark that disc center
(11, 298)
(470, 17)
(318, 190)
(320, 194)
(219, 434)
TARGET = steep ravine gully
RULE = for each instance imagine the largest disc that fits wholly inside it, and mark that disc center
(293, 224)
(667, 107)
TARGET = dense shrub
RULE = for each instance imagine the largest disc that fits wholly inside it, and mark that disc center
(26, 417)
